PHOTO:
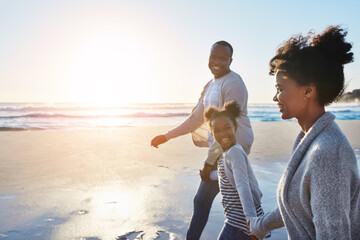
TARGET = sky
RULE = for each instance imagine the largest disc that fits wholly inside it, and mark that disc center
(116, 52)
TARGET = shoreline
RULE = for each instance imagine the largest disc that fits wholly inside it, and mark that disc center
(108, 183)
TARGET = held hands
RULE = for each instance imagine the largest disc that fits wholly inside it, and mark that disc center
(156, 141)
(205, 172)
(252, 236)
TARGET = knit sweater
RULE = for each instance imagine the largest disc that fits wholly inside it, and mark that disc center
(232, 88)
(319, 192)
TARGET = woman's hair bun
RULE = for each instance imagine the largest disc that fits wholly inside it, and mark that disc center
(332, 43)
(233, 108)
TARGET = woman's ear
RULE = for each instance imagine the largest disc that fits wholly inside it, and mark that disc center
(310, 91)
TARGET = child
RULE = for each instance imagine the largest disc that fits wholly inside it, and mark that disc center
(241, 196)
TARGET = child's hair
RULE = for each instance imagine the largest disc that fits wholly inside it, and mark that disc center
(231, 110)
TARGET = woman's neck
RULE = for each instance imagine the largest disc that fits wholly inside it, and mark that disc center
(310, 117)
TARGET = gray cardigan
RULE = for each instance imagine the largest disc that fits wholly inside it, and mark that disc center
(319, 192)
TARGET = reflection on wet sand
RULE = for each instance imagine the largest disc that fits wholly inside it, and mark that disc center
(108, 184)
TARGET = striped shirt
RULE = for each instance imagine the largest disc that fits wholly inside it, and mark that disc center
(233, 209)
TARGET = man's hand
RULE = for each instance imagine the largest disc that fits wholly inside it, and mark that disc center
(156, 141)
(205, 172)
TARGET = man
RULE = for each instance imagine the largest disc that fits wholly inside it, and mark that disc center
(225, 86)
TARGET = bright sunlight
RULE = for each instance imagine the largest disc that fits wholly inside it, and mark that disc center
(110, 70)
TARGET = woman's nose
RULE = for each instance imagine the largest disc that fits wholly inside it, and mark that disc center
(275, 99)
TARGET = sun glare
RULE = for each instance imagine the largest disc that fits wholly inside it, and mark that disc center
(112, 70)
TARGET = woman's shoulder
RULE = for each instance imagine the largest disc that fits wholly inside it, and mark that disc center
(332, 138)
(331, 146)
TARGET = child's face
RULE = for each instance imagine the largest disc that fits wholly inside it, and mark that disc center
(223, 131)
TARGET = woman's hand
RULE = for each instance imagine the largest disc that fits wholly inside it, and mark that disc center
(156, 141)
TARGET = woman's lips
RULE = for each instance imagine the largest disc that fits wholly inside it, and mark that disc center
(281, 107)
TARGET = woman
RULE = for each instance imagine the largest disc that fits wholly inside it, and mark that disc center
(318, 194)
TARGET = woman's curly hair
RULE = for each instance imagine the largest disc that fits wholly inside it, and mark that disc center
(316, 59)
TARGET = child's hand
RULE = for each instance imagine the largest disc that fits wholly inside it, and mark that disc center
(252, 236)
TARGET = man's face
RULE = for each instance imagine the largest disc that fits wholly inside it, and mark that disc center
(220, 60)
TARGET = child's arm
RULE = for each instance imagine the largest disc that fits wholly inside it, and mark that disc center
(237, 162)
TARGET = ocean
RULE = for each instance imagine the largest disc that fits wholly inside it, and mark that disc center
(44, 116)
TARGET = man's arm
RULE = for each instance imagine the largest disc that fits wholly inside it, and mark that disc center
(194, 121)
(214, 152)
(191, 123)
(235, 89)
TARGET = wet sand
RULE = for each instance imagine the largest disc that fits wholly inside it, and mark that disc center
(110, 184)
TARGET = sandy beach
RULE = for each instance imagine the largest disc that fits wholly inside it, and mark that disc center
(110, 184)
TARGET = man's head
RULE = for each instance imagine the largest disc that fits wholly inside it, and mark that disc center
(220, 58)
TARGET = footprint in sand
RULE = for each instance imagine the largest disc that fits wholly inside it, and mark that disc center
(80, 212)
(88, 238)
(131, 236)
(163, 166)
(161, 235)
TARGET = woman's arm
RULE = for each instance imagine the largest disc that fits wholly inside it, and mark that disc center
(330, 191)
(260, 226)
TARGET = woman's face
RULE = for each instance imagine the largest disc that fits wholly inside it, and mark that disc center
(290, 97)
(223, 130)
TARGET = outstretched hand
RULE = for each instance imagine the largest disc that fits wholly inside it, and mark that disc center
(156, 141)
